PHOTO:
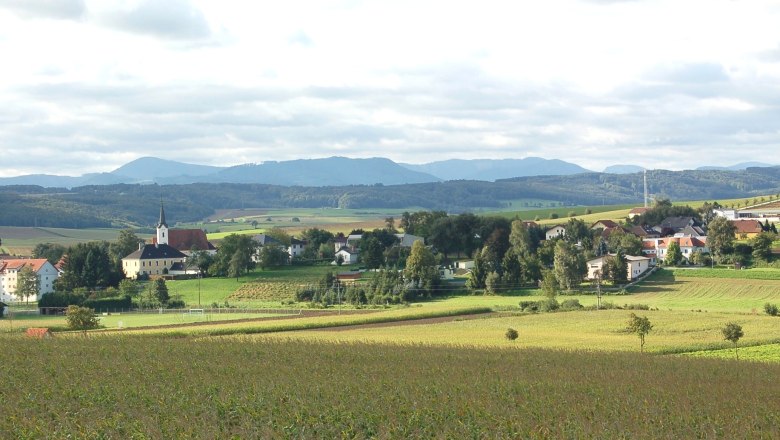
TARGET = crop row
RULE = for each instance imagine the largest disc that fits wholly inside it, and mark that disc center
(153, 387)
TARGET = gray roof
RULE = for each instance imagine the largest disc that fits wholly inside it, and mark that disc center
(265, 240)
(155, 252)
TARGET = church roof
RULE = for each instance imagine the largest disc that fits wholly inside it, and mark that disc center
(186, 239)
(155, 252)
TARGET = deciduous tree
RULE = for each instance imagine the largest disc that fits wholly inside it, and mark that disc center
(640, 326)
(733, 332)
(673, 254)
(569, 265)
(27, 283)
(720, 237)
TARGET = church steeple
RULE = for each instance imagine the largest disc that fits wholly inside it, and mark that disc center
(162, 215)
(162, 226)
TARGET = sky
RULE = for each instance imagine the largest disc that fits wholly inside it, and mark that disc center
(89, 85)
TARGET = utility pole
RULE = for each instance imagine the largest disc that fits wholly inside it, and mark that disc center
(645, 179)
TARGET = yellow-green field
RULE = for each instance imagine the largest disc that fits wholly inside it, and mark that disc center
(603, 330)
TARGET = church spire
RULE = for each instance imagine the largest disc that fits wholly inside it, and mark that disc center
(162, 216)
(162, 226)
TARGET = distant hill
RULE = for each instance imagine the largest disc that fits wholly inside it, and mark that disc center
(623, 169)
(313, 172)
(737, 167)
(494, 169)
(332, 171)
(152, 168)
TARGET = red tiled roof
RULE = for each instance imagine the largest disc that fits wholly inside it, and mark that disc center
(640, 210)
(186, 239)
(18, 264)
(747, 226)
(682, 241)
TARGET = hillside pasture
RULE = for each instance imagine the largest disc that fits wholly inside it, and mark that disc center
(22, 240)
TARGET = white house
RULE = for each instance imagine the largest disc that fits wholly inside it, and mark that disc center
(555, 232)
(9, 276)
(688, 246)
(296, 248)
(468, 265)
(635, 266)
(348, 255)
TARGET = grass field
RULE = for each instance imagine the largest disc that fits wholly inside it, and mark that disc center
(153, 387)
(259, 288)
(21, 241)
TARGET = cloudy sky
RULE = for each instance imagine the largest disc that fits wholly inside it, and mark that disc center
(88, 85)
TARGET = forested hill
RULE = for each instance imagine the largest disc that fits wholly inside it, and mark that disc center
(120, 205)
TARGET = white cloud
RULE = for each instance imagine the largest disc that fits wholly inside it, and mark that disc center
(657, 83)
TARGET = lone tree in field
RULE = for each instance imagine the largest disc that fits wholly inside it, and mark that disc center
(732, 332)
(641, 327)
(81, 318)
(511, 334)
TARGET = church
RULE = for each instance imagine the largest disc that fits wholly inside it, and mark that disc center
(167, 255)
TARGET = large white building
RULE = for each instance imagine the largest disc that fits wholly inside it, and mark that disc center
(9, 277)
(762, 211)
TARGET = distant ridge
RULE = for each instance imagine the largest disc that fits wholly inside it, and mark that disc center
(623, 169)
(493, 169)
(738, 167)
(331, 171)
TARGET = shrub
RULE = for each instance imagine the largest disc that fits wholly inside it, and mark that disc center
(549, 305)
(636, 307)
(81, 318)
(770, 309)
(529, 306)
(571, 304)
(511, 334)
(553, 215)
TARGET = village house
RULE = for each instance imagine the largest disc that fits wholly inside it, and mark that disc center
(555, 232)
(688, 246)
(295, 249)
(746, 229)
(635, 266)
(9, 277)
(347, 255)
(635, 212)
